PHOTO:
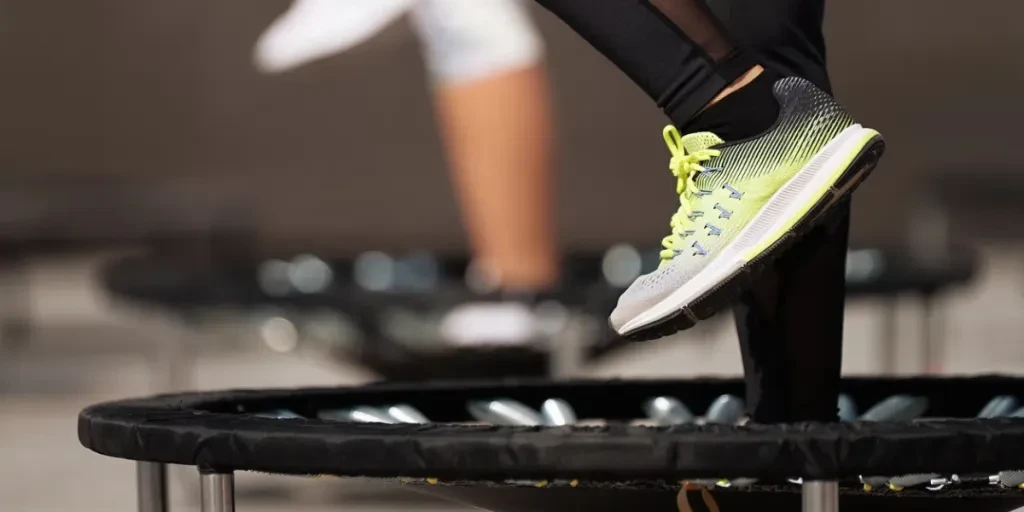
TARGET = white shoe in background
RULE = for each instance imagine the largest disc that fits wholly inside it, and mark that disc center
(489, 324)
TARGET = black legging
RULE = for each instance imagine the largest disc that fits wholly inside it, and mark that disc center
(684, 52)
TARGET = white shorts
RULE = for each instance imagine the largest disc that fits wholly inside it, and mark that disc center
(462, 40)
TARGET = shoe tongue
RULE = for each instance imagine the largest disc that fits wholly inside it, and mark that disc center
(701, 140)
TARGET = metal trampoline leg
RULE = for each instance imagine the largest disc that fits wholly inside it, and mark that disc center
(821, 497)
(566, 353)
(218, 492)
(151, 486)
(932, 337)
(889, 350)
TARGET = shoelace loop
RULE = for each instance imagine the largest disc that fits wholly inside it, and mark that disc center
(685, 167)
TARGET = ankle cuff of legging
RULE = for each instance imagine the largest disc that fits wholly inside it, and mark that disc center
(699, 84)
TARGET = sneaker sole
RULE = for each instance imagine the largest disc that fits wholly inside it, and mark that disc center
(831, 176)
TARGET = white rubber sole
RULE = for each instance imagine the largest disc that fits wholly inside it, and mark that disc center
(805, 188)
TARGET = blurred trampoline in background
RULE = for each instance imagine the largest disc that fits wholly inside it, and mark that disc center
(420, 315)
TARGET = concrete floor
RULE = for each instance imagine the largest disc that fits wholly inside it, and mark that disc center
(88, 350)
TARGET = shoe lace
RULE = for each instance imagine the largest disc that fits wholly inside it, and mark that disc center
(685, 167)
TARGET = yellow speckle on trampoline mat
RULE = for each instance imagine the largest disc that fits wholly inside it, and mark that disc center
(432, 481)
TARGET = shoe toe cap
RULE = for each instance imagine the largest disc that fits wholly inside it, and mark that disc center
(643, 294)
(648, 290)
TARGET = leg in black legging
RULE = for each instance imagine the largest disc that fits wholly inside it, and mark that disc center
(785, 35)
(790, 326)
(675, 50)
(791, 322)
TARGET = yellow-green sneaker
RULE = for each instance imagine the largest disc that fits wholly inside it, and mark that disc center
(743, 203)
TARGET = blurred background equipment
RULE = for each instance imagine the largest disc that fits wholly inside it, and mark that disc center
(419, 316)
(173, 217)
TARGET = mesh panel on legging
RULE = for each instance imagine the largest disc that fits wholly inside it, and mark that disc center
(786, 35)
(697, 23)
(665, 58)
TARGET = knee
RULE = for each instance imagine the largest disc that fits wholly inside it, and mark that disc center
(466, 41)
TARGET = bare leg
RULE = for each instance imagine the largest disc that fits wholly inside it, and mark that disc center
(485, 60)
(497, 133)
(740, 82)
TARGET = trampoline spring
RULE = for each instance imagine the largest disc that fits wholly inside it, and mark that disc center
(870, 482)
(361, 414)
(897, 408)
(726, 409)
(736, 482)
(404, 413)
(701, 482)
(847, 408)
(1010, 478)
(540, 484)
(563, 483)
(900, 483)
(937, 484)
(666, 410)
(278, 414)
(556, 412)
(504, 411)
(998, 407)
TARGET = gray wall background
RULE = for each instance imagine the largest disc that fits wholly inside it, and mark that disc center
(127, 116)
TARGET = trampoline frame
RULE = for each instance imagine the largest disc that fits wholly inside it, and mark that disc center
(160, 430)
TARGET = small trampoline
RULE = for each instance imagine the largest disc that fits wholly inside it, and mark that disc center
(956, 447)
